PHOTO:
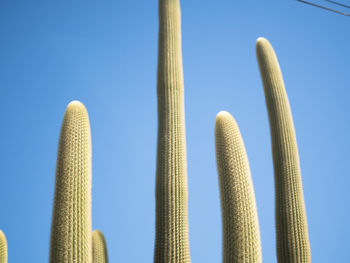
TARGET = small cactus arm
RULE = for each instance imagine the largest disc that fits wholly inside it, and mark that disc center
(241, 234)
(171, 244)
(291, 224)
(99, 248)
(3, 248)
(71, 220)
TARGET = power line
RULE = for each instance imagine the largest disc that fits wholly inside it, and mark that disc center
(336, 3)
(323, 7)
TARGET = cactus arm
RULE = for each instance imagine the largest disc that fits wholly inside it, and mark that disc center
(291, 224)
(3, 248)
(71, 221)
(171, 244)
(241, 234)
(99, 248)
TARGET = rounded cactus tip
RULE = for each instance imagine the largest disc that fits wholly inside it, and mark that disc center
(97, 232)
(223, 120)
(223, 115)
(262, 42)
(76, 105)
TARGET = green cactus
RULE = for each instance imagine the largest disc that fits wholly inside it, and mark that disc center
(3, 248)
(171, 244)
(71, 220)
(241, 235)
(291, 225)
(99, 248)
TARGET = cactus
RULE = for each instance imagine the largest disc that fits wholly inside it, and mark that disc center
(291, 225)
(241, 235)
(3, 248)
(171, 244)
(71, 237)
(71, 220)
(99, 248)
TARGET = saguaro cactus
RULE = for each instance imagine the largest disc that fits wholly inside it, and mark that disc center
(171, 244)
(71, 223)
(3, 248)
(292, 233)
(99, 248)
(241, 235)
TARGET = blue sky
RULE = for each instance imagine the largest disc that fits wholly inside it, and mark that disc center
(105, 55)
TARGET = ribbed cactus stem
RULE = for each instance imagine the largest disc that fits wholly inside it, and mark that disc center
(99, 248)
(171, 244)
(292, 232)
(71, 222)
(3, 248)
(241, 235)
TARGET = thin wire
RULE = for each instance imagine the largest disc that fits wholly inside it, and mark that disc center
(336, 3)
(326, 8)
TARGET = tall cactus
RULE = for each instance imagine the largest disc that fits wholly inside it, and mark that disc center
(292, 233)
(71, 223)
(3, 248)
(99, 248)
(171, 244)
(241, 235)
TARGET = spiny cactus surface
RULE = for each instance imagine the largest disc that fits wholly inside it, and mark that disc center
(171, 244)
(241, 235)
(292, 232)
(71, 223)
(3, 248)
(99, 248)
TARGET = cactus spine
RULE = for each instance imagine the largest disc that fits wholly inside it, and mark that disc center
(241, 235)
(292, 233)
(71, 223)
(171, 244)
(99, 248)
(3, 248)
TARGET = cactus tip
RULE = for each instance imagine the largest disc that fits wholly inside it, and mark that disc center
(76, 105)
(97, 232)
(262, 43)
(222, 119)
(222, 114)
(261, 40)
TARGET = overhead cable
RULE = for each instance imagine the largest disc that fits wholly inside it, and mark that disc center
(336, 3)
(323, 7)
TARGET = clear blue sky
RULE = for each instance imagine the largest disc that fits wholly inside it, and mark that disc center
(105, 55)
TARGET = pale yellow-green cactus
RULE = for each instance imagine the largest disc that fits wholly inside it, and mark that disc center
(71, 222)
(99, 248)
(3, 248)
(171, 244)
(291, 225)
(241, 235)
